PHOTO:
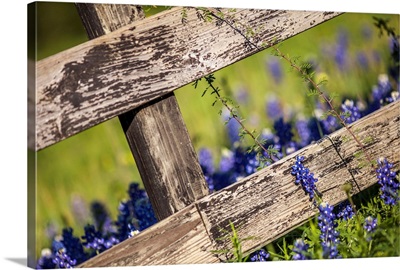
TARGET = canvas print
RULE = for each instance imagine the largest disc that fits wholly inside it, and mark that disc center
(166, 135)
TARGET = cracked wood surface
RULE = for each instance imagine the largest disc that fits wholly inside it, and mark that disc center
(156, 132)
(178, 239)
(266, 204)
(112, 74)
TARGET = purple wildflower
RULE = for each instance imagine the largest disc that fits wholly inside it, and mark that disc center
(370, 225)
(46, 260)
(275, 69)
(259, 256)
(362, 60)
(304, 177)
(232, 127)
(300, 250)
(329, 235)
(206, 161)
(93, 239)
(73, 246)
(273, 108)
(242, 95)
(283, 131)
(345, 211)
(341, 50)
(303, 132)
(389, 187)
(350, 112)
(62, 260)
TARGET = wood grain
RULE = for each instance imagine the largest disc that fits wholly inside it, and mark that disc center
(165, 156)
(179, 239)
(156, 132)
(266, 204)
(117, 72)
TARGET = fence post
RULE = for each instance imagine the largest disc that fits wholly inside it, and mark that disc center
(156, 133)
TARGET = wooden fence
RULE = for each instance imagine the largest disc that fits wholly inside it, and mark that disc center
(130, 68)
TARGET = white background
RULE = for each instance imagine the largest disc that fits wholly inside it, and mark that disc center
(13, 196)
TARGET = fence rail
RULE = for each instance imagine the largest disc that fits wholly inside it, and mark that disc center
(133, 70)
(109, 75)
(266, 204)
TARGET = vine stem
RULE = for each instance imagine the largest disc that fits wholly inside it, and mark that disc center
(327, 100)
(307, 77)
(236, 117)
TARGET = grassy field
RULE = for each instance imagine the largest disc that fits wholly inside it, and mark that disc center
(97, 163)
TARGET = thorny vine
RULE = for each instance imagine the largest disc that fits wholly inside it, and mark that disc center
(303, 70)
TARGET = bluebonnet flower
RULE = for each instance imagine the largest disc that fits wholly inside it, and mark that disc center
(329, 235)
(132, 232)
(207, 166)
(350, 112)
(206, 161)
(304, 177)
(370, 224)
(135, 192)
(242, 95)
(267, 136)
(142, 209)
(62, 260)
(101, 218)
(245, 163)
(283, 131)
(46, 260)
(227, 162)
(394, 95)
(222, 180)
(362, 60)
(259, 256)
(345, 211)
(329, 124)
(341, 50)
(73, 246)
(273, 108)
(93, 239)
(291, 147)
(210, 183)
(300, 250)
(303, 132)
(124, 219)
(110, 241)
(379, 92)
(376, 56)
(320, 124)
(51, 230)
(232, 128)
(389, 187)
(144, 213)
(275, 69)
(79, 209)
(314, 126)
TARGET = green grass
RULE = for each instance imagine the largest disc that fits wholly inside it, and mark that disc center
(97, 164)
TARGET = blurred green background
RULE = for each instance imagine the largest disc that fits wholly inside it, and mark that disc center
(97, 164)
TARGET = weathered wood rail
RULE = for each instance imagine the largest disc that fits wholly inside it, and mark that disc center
(109, 75)
(130, 68)
(266, 204)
